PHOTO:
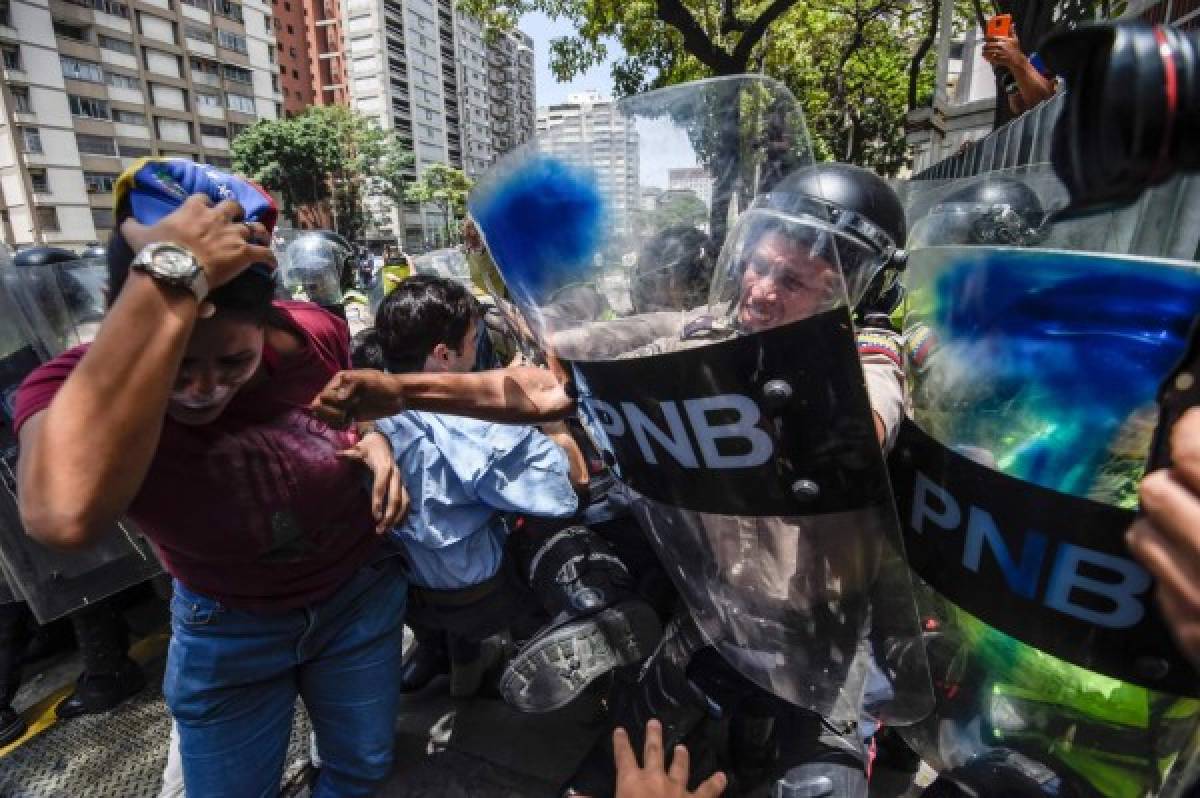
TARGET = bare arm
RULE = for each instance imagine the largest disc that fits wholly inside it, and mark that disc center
(557, 431)
(84, 458)
(514, 395)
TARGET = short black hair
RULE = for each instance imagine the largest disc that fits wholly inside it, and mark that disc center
(420, 313)
(248, 296)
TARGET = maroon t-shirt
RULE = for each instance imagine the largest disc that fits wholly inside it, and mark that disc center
(253, 509)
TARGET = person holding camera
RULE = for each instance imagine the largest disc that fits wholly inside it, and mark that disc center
(1025, 78)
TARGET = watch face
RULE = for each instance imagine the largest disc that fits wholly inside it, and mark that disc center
(171, 262)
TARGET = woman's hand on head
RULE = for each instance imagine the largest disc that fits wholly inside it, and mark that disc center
(224, 245)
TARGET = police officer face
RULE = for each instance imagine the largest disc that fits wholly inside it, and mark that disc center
(784, 281)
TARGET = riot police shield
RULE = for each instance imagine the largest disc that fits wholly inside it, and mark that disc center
(732, 407)
(1033, 376)
(311, 265)
(38, 318)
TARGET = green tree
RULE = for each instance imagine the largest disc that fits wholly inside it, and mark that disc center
(325, 163)
(847, 61)
(679, 208)
(445, 187)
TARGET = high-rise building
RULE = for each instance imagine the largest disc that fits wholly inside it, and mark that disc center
(423, 70)
(510, 62)
(91, 85)
(694, 179)
(589, 131)
(312, 65)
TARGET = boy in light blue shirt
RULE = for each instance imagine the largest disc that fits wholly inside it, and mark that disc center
(467, 481)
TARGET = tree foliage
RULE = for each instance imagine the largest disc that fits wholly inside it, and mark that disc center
(847, 61)
(444, 187)
(326, 164)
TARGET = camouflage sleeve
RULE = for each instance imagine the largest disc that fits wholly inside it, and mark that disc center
(606, 340)
(882, 362)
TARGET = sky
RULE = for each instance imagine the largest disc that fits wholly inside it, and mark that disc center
(549, 91)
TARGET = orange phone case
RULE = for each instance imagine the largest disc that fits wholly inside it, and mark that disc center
(1000, 26)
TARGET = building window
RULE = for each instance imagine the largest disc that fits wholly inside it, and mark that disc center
(232, 41)
(95, 145)
(39, 181)
(201, 4)
(78, 33)
(221, 161)
(208, 100)
(100, 182)
(104, 6)
(47, 219)
(274, 83)
(135, 151)
(87, 107)
(31, 140)
(12, 56)
(75, 69)
(119, 81)
(199, 33)
(214, 130)
(21, 102)
(268, 27)
(128, 117)
(5, 14)
(290, 29)
(240, 102)
(228, 10)
(116, 45)
(236, 129)
(237, 74)
(174, 130)
(295, 75)
(102, 218)
(292, 52)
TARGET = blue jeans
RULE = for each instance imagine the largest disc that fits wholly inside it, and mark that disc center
(232, 679)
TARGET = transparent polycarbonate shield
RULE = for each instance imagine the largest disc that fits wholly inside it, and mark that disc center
(311, 266)
(1034, 375)
(36, 321)
(742, 428)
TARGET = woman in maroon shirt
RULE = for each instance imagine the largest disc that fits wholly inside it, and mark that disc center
(189, 415)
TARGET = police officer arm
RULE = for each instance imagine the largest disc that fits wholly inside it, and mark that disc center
(84, 457)
(1167, 539)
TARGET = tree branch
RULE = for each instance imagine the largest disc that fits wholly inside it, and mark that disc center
(914, 66)
(729, 18)
(695, 40)
(758, 29)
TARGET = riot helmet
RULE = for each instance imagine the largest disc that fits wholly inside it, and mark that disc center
(1000, 211)
(67, 290)
(815, 223)
(311, 265)
(673, 270)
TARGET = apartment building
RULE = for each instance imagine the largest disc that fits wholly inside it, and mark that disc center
(312, 66)
(89, 86)
(425, 71)
(589, 131)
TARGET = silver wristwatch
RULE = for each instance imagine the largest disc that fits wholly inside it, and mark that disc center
(173, 265)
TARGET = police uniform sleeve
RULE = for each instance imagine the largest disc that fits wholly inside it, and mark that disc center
(882, 362)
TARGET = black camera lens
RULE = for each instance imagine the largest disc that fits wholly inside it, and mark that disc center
(1131, 117)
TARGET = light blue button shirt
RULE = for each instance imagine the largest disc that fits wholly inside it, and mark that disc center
(461, 475)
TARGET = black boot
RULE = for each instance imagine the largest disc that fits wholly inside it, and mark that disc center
(598, 623)
(428, 660)
(109, 676)
(663, 691)
(12, 643)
